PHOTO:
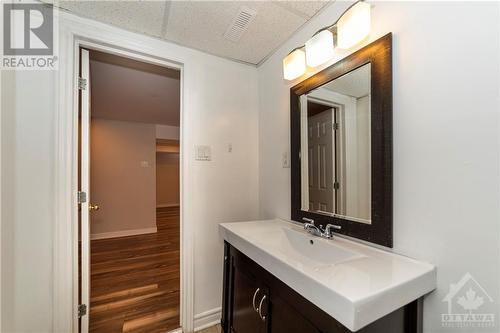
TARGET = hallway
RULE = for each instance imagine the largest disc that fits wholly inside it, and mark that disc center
(135, 280)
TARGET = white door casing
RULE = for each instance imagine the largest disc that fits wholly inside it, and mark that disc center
(75, 33)
(85, 188)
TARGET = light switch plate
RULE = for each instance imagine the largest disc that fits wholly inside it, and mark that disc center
(203, 153)
(285, 159)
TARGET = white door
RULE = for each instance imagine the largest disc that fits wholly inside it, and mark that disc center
(85, 188)
(321, 162)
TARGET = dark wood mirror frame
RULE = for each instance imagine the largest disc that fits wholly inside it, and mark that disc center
(379, 55)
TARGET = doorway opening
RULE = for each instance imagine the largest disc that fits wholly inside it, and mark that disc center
(129, 170)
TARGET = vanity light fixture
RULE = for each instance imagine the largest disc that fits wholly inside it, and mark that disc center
(352, 27)
(319, 49)
(294, 64)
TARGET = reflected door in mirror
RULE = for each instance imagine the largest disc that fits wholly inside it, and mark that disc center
(336, 147)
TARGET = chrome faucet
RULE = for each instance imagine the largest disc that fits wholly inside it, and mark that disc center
(328, 233)
(311, 228)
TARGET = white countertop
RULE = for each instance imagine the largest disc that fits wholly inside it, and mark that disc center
(354, 283)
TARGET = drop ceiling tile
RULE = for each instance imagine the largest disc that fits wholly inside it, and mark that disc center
(201, 25)
(306, 8)
(145, 17)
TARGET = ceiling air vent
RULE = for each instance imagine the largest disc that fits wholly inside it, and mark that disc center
(240, 24)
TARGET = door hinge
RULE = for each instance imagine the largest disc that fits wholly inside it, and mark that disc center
(335, 126)
(81, 197)
(82, 83)
(82, 310)
(336, 185)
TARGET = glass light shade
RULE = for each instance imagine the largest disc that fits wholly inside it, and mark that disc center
(319, 49)
(354, 25)
(294, 65)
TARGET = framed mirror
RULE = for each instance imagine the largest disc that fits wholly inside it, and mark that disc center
(341, 145)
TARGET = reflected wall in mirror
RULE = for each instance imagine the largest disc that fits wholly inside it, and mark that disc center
(336, 147)
(341, 145)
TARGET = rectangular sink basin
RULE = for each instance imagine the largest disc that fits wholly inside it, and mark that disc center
(320, 253)
(354, 283)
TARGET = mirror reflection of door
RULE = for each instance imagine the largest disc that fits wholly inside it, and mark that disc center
(336, 146)
(321, 153)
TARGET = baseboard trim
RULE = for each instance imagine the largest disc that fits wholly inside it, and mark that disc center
(177, 330)
(123, 233)
(207, 319)
(167, 205)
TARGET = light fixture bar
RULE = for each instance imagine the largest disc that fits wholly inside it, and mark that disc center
(351, 27)
(294, 64)
(319, 49)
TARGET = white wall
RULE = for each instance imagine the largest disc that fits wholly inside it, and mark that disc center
(122, 177)
(220, 107)
(363, 150)
(27, 214)
(446, 147)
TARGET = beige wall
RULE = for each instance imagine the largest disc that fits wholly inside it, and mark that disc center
(122, 176)
(168, 132)
(167, 179)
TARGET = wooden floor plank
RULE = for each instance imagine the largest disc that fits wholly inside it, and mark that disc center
(135, 280)
(127, 292)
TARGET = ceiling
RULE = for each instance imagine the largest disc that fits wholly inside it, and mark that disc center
(128, 90)
(355, 83)
(202, 24)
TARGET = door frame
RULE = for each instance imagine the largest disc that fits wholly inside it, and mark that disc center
(65, 252)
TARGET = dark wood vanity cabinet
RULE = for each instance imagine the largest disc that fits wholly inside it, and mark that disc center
(245, 316)
(254, 301)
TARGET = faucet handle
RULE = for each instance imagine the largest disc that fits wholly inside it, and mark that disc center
(333, 226)
(308, 220)
(328, 230)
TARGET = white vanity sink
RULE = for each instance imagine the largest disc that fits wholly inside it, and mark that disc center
(354, 283)
(300, 247)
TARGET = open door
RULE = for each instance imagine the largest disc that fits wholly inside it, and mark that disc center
(84, 194)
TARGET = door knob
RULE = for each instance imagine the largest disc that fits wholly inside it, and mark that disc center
(93, 207)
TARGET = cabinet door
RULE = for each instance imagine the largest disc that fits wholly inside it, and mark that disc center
(247, 295)
(226, 289)
(286, 319)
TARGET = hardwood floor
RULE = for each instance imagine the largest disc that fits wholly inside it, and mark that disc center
(135, 280)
